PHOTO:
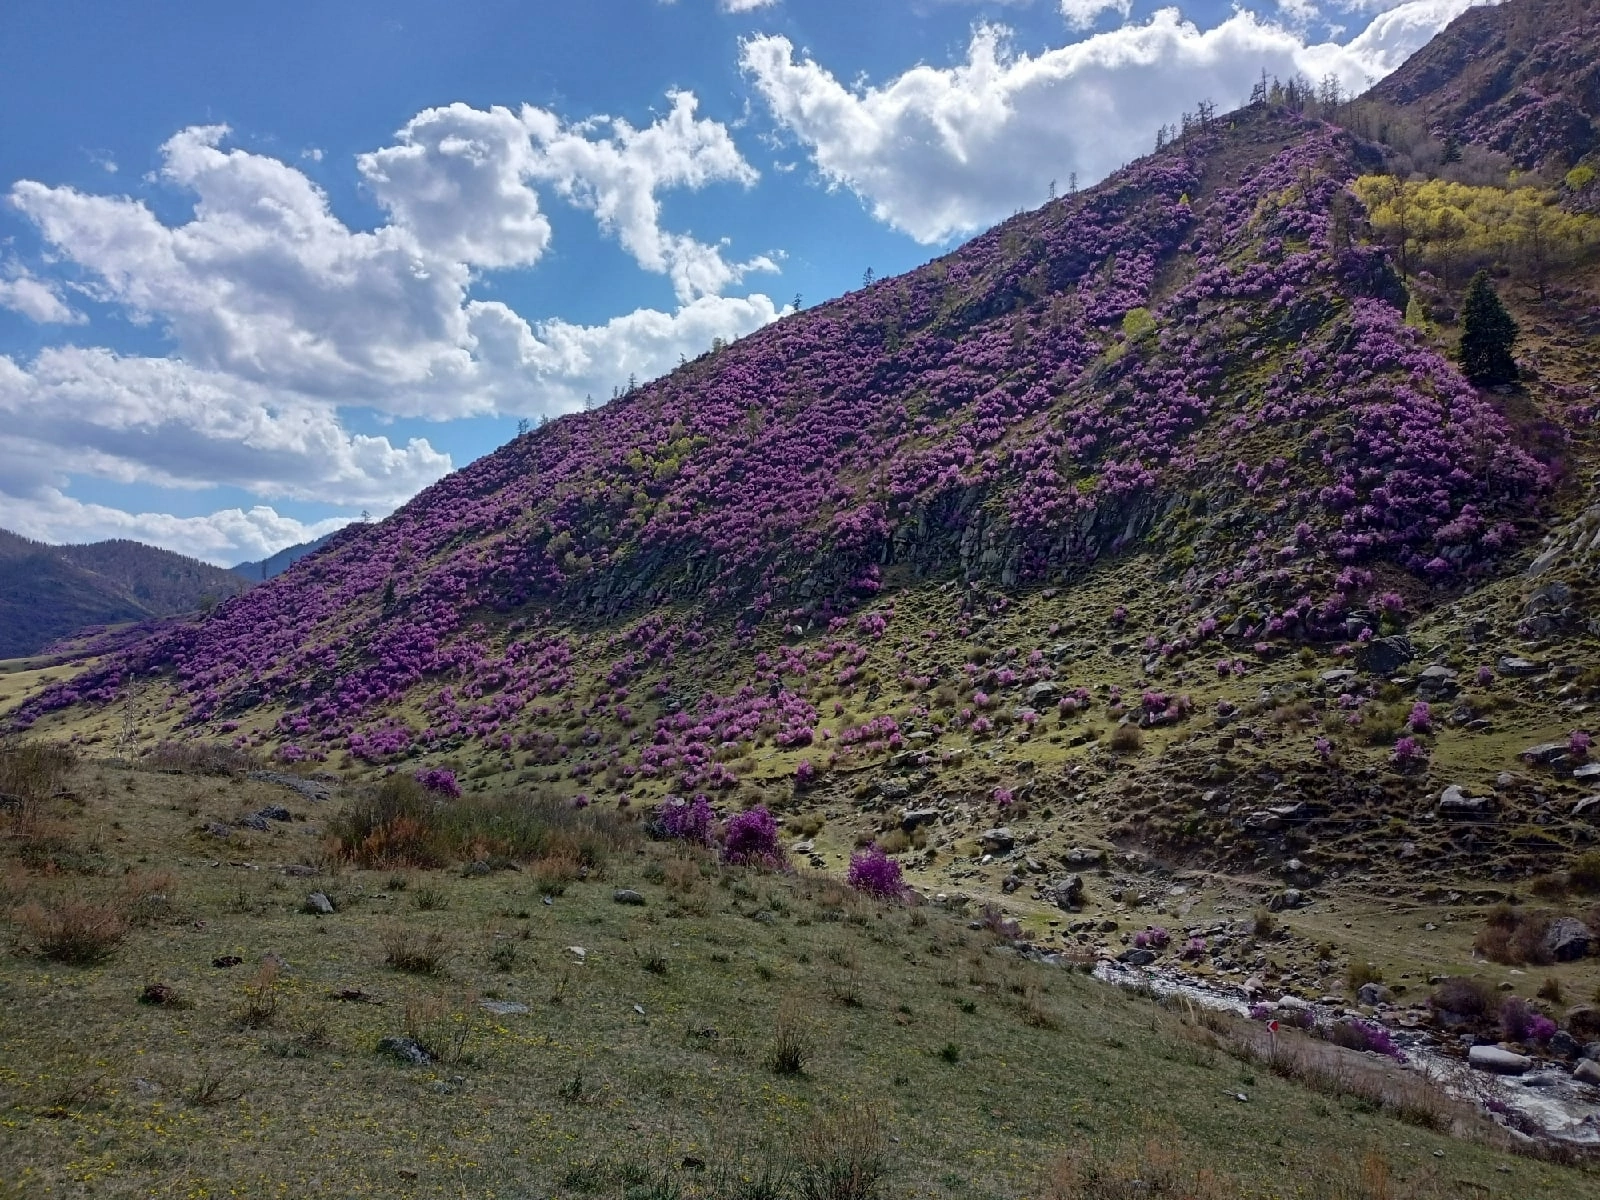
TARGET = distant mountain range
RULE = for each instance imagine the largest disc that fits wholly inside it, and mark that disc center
(48, 592)
(277, 564)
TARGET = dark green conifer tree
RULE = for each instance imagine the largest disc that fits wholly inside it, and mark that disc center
(1487, 335)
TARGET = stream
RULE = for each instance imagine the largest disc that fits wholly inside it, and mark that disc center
(1545, 1102)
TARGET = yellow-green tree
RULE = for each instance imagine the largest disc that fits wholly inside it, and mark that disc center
(1439, 223)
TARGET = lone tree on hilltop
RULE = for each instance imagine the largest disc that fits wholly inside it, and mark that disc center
(1487, 335)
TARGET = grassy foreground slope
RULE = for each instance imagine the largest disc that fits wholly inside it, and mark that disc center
(932, 1056)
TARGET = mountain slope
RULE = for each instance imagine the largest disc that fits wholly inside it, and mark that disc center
(1520, 78)
(1154, 460)
(48, 592)
(276, 564)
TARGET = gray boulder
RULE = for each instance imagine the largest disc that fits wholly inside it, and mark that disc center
(916, 817)
(1385, 655)
(1374, 994)
(1043, 693)
(1567, 939)
(1589, 806)
(1454, 802)
(1137, 958)
(1511, 665)
(1545, 753)
(1587, 1071)
(1066, 894)
(318, 902)
(627, 896)
(406, 1050)
(997, 841)
(1497, 1061)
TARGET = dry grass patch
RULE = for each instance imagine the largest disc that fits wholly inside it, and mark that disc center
(71, 929)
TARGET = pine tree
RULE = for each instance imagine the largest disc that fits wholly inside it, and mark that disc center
(1487, 335)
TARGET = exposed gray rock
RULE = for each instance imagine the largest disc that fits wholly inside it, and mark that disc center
(1454, 802)
(1080, 856)
(893, 789)
(1587, 772)
(503, 1008)
(1288, 898)
(1374, 994)
(1385, 655)
(627, 896)
(1568, 939)
(1563, 1044)
(997, 841)
(1066, 894)
(311, 789)
(1137, 958)
(1511, 665)
(1497, 1061)
(318, 902)
(1545, 753)
(1263, 821)
(406, 1050)
(1587, 1071)
(1339, 677)
(918, 816)
(1043, 693)
(1589, 806)
(1436, 682)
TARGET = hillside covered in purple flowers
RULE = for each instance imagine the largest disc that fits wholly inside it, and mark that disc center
(1175, 437)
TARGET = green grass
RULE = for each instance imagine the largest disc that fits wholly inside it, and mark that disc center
(981, 1069)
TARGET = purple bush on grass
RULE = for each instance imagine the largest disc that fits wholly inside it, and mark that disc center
(680, 820)
(874, 872)
(750, 839)
(439, 780)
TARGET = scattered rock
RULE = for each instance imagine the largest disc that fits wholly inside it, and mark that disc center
(1288, 898)
(1385, 655)
(274, 812)
(1567, 939)
(1436, 683)
(1338, 678)
(627, 896)
(355, 996)
(1454, 802)
(503, 1008)
(318, 902)
(1497, 1061)
(1043, 693)
(916, 817)
(159, 994)
(1563, 1044)
(1137, 958)
(1373, 994)
(1545, 753)
(311, 789)
(226, 960)
(1080, 857)
(1588, 806)
(578, 952)
(1263, 821)
(1587, 1071)
(1587, 772)
(1510, 665)
(405, 1050)
(997, 841)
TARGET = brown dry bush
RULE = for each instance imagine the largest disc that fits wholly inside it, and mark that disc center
(1126, 739)
(416, 953)
(71, 929)
(792, 1039)
(197, 758)
(31, 773)
(1513, 937)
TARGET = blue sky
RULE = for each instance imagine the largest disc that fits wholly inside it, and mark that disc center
(266, 266)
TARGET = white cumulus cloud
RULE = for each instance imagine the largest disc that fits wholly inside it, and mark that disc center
(1081, 14)
(38, 300)
(938, 151)
(740, 6)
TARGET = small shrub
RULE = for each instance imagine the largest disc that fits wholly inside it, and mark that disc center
(73, 930)
(430, 898)
(751, 839)
(792, 1040)
(1465, 996)
(416, 954)
(876, 874)
(842, 1156)
(1263, 923)
(440, 782)
(503, 957)
(1359, 974)
(212, 1087)
(260, 1007)
(1126, 739)
(1584, 873)
(682, 820)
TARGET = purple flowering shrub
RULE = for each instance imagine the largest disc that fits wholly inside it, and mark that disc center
(680, 820)
(440, 781)
(1356, 1034)
(875, 873)
(750, 839)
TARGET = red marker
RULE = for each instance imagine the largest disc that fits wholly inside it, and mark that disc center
(1272, 1027)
